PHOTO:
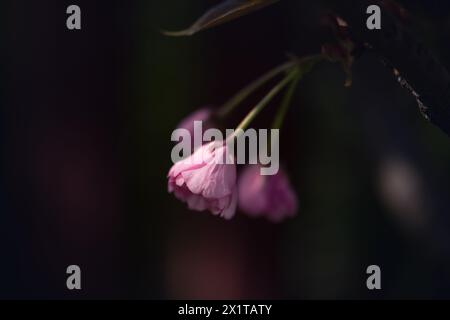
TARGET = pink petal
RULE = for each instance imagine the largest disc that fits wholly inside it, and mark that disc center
(197, 179)
(196, 202)
(230, 211)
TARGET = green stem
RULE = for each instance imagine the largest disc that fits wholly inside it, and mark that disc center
(305, 65)
(228, 107)
(265, 101)
(281, 115)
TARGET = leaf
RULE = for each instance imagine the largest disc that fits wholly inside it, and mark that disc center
(224, 12)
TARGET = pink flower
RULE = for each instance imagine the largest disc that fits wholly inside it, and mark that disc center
(269, 196)
(205, 181)
(203, 114)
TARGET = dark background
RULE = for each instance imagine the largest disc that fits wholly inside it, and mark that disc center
(86, 118)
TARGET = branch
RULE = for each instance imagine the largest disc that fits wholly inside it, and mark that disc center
(414, 64)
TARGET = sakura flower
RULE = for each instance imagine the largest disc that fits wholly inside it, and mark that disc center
(203, 115)
(270, 196)
(206, 180)
(200, 119)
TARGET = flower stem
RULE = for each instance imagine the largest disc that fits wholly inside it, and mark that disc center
(228, 107)
(281, 115)
(304, 66)
(265, 101)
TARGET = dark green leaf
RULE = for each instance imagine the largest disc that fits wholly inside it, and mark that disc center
(224, 12)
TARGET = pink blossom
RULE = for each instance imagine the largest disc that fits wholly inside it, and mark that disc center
(203, 114)
(206, 180)
(269, 196)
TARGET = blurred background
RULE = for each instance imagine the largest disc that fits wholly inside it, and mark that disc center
(86, 119)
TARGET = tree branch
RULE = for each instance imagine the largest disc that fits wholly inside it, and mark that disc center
(416, 67)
